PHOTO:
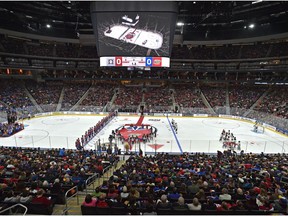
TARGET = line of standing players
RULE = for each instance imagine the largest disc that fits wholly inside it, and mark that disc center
(93, 131)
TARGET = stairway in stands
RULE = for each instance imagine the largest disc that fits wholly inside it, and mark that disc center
(74, 207)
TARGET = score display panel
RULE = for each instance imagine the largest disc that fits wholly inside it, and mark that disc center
(120, 61)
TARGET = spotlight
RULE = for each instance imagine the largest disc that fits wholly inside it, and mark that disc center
(180, 24)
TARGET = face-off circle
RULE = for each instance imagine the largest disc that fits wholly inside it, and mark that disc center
(127, 131)
(135, 132)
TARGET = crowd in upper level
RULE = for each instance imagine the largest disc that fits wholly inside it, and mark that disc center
(46, 96)
(243, 97)
(175, 98)
(158, 99)
(188, 96)
(231, 51)
(98, 96)
(72, 94)
(67, 50)
(275, 102)
(128, 99)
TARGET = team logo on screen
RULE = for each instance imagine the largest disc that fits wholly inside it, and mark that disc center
(156, 62)
(110, 62)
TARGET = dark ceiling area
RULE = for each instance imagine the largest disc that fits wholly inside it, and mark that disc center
(197, 20)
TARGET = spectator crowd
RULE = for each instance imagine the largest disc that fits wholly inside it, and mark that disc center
(42, 176)
(270, 103)
(71, 50)
(226, 182)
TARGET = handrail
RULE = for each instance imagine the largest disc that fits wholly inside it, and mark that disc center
(18, 204)
(105, 171)
(68, 198)
(88, 183)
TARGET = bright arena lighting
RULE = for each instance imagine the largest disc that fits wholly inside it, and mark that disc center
(251, 26)
(48, 26)
(180, 24)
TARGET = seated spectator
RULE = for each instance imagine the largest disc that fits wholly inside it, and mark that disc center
(210, 205)
(11, 197)
(89, 201)
(45, 185)
(281, 204)
(194, 188)
(148, 191)
(41, 199)
(163, 203)
(180, 205)
(112, 193)
(25, 197)
(170, 187)
(225, 195)
(124, 194)
(20, 186)
(78, 180)
(101, 202)
(134, 193)
(183, 189)
(224, 206)
(239, 195)
(264, 205)
(56, 187)
(262, 196)
(116, 203)
(149, 205)
(251, 202)
(132, 205)
(174, 195)
(34, 187)
(239, 205)
(200, 195)
(213, 196)
(195, 205)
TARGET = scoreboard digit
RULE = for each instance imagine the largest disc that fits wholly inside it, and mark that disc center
(118, 61)
(148, 61)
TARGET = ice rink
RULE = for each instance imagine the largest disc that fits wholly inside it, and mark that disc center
(194, 134)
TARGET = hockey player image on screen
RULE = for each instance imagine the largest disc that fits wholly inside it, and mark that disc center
(127, 31)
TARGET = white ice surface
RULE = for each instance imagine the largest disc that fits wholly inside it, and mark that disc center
(194, 134)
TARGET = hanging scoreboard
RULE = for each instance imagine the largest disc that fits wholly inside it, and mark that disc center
(134, 28)
(119, 61)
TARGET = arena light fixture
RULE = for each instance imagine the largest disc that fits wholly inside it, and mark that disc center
(48, 25)
(180, 24)
(251, 26)
(258, 1)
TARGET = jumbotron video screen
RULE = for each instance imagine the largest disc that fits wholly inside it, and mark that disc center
(133, 32)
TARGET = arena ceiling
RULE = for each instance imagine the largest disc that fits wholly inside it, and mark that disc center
(197, 20)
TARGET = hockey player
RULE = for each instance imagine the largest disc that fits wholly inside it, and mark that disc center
(255, 128)
(239, 146)
(176, 127)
